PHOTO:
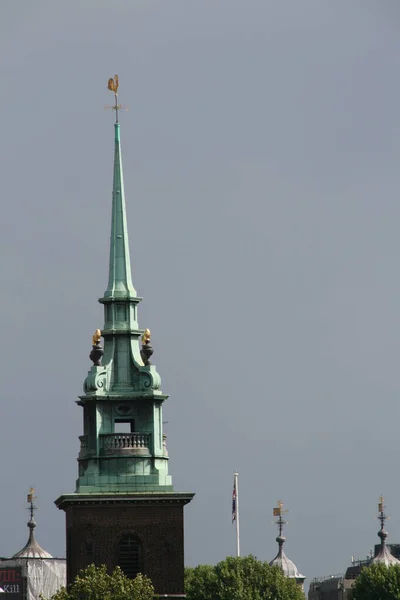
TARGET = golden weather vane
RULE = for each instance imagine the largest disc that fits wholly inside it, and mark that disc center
(279, 511)
(113, 85)
(31, 495)
(31, 501)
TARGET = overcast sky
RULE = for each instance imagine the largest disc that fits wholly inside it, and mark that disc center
(261, 155)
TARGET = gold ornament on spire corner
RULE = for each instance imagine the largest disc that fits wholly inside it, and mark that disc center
(147, 350)
(96, 337)
(113, 84)
(146, 336)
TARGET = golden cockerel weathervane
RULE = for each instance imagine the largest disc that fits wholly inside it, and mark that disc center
(113, 85)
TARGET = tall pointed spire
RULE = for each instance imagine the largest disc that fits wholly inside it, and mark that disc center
(120, 279)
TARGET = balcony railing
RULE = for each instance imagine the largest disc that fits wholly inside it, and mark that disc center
(123, 444)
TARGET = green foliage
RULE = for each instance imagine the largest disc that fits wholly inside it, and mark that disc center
(95, 583)
(377, 582)
(201, 582)
(240, 579)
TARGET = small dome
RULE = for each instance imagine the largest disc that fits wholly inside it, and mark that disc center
(384, 557)
(32, 549)
(288, 567)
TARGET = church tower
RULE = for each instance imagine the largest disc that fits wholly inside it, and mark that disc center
(124, 511)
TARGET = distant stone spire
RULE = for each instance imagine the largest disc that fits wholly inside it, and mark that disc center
(384, 555)
(281, 560)
(120, 279)
(32, 549)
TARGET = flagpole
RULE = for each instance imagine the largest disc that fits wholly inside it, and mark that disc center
(236, 476)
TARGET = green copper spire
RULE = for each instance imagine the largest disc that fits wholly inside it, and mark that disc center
(123, 388)
(124, 510)
(120, 278)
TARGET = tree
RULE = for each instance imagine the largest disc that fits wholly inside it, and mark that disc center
(240, 579)
(95, 583)
(377, 582)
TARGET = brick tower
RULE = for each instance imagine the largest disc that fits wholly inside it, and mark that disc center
(124, 511)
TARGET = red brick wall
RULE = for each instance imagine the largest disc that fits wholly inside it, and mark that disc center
(94, 531)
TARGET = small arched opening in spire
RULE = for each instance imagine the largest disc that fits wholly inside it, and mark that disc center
(130, 555)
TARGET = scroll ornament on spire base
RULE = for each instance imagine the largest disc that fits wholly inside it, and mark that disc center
(99, 376)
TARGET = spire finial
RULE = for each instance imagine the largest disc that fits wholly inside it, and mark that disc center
(382, 517)
(32, 507)
(120, 280)
(32, 549)
(279, 511)
(113, 85)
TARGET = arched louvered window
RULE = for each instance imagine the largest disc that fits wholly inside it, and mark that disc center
(130, 555)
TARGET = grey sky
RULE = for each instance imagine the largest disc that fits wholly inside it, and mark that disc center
(261, 152)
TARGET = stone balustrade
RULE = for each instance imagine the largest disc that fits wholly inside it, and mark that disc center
(121, 444)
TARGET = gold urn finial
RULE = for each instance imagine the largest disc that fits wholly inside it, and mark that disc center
(146, 336)
(147, 350)
(97, 351)
(96, 337)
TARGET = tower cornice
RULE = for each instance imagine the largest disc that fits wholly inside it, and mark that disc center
(153, 396)
(128, 299)
(117, 498)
